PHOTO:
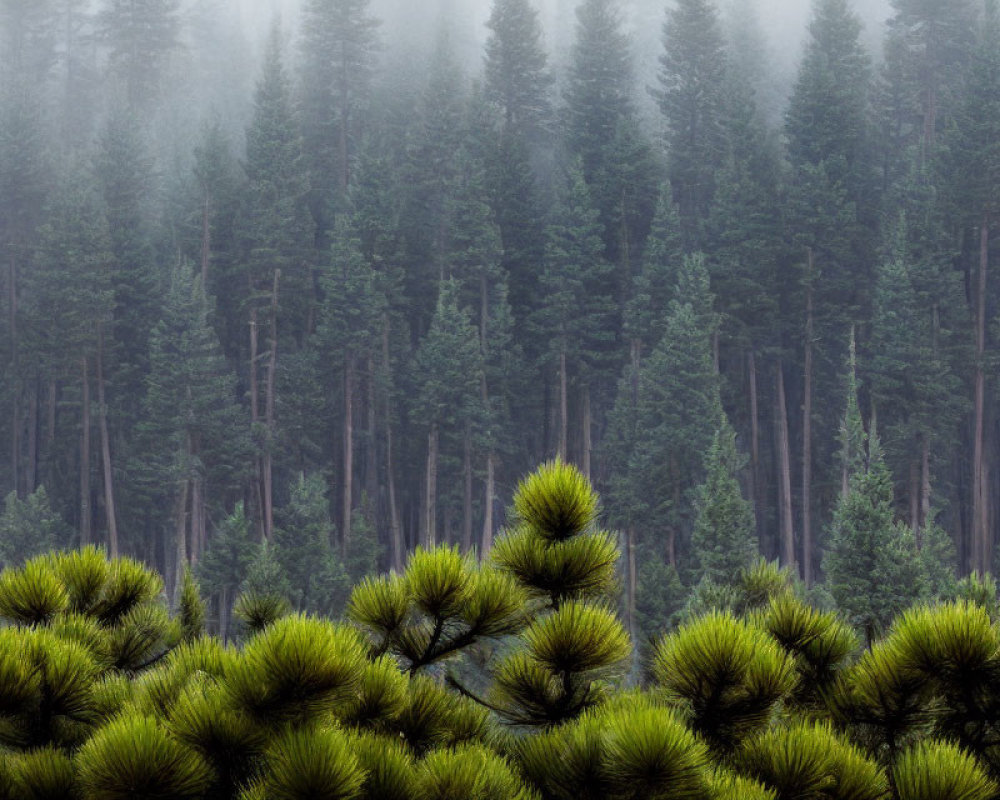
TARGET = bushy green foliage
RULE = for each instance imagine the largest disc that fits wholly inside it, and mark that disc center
(104, 695)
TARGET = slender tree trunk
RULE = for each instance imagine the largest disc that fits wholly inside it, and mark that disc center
(487, 541)
(467, 493)
(50, 413)
(102, 416)
(86, 513)
(980, 515)
(914, 493)
(587, 432)
(181, 534)
(272, 367)
(197, 520)
(206, 240)
(807, 555)
(631, 576)
(343, 134)
(33, 400)
(398, 545)
(15, 439)
(258, 496)
(371, 450)
(675, 479)
(785, 477)
(563, 406)
(348, 454)
(925, 483)
(430, 533)
(755, 472)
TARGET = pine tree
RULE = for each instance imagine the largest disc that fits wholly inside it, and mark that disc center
(193, 437)
(141, 37)
(579, 313)
(447, 374)
(516, 79)
(873, 567)
(30, 527)
(339, 40)
(723, 539)
(692, 75)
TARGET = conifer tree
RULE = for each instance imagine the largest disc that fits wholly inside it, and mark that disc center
(692, 74)
(448, 373)
(141, 36)
(516, 79)
(339, 40)
(723, 539)
(580, 311)
(193, 430)
(30, 527)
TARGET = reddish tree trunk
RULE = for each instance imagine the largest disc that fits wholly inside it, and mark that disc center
(755, 472)
(398, 545)
(487, 541)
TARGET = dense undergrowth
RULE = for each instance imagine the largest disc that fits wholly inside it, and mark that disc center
(501, 680)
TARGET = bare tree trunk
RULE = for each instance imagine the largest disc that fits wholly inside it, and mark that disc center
(371, 449)
(430, 532)
(109, 487)
(86, 513)
(33, 400)
(487, 541)
(15, 439)
(206, 240)
(563, 406)
(631, 576)
(914, 493)
(348, 455)
(398, 545)
(807, 554)
(272, 366)
(50, 413)
(587, 432)
(755, 472)
(197, 520)
(258, 498)
(785, 477)
(182, 552)
(980, 530)
(467, 494)
(675, 479)
(925, 483)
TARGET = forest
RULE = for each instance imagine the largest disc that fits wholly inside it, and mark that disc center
(286, 304)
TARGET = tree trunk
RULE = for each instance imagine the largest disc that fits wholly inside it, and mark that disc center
(587, 433)
(50, 413)
(348, 454)
(181, 533)
(272, 366)
(755, 472)
(785, 477)
(398, 545)
(467, 493)
(807, 555)
(371, 448)
(343, 134)
(980, 531)
(925, 483)
(430, 523)
(32, 476)
(15, 439)
(109, 487)
(563, 406)
(487, 542)
(197, 520)
(258, 499)
(914, 492)
(86, 513)
(675, 479)
(631, 576)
